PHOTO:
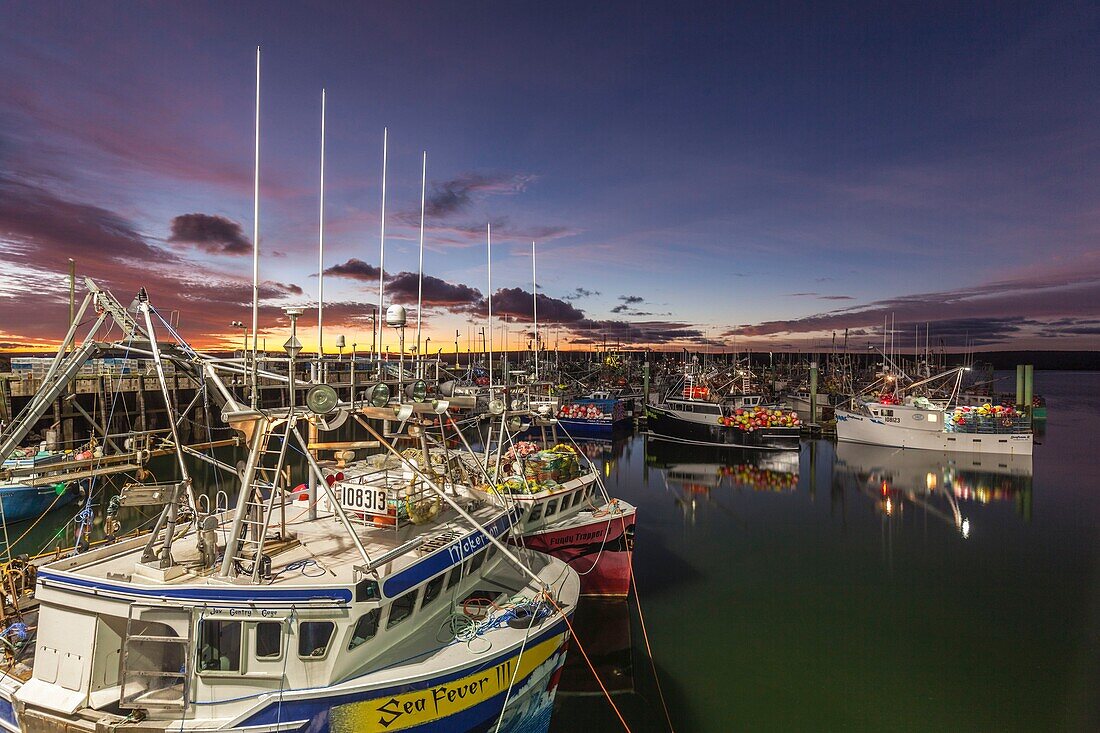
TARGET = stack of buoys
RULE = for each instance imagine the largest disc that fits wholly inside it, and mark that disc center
(521, 449)
(581, 411)
(758, 418)
(987, 416)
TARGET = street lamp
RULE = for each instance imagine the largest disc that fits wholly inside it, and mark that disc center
(238, 324)
(244, 348)
(353, 358)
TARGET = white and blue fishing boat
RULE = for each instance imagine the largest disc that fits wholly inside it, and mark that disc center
(315, 611)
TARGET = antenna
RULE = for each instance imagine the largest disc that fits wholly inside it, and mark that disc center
(420, 276)
(321, 244)
(489, 260)
(382, 245)
(256, 240)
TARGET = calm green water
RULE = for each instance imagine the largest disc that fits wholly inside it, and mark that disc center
(781, 594)
(803, 605)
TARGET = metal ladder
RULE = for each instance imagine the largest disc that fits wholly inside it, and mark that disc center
(253, 518)
(149, 679)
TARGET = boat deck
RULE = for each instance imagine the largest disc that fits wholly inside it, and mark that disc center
(314, 553)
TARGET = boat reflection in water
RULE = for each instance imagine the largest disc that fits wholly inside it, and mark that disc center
(692, 472)
(940, 483)
(602, 626)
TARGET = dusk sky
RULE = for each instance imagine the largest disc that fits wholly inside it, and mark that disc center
(736, 174)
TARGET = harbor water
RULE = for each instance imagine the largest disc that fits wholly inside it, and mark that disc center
(787, 597)
(841, 588)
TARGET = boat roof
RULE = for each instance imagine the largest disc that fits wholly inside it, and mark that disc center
(320, 564)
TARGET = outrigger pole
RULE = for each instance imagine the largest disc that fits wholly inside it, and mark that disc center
(489, 261)
(535, 308)
(420, 277)
(382, 250)
(256, 241)
(321, 250)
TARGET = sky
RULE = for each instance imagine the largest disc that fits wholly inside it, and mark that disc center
(694, 175)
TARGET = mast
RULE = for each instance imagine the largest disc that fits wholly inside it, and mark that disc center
(420, 276)
(489, 261)
(256, 240)
(321, 246)
(535, 308)
(382, 248)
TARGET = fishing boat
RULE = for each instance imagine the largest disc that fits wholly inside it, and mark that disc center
(324, 626)
(576, 522)
(913, 417)
(690, 413)
(287, 615)
(596, 414)
(563, 507)
(924, 425)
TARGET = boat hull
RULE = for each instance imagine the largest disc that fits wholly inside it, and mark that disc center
(600, 550)
(856, 428)
(582, 427)
(664, 422)
(468, 700)
(22, 502)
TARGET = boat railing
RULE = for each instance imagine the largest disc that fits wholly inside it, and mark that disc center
(995, 426)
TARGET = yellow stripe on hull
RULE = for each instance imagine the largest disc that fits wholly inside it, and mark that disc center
(398, 712)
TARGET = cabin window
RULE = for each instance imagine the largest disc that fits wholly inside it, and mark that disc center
(452, 579)
(431, 590)
(932, 417)
(401, 608)
(551, 507)
(536, 513)
(476, 562)
(577, 497)
(491, 553)
(269, 640)
(314, 638)
(219, 645)
(365, 628)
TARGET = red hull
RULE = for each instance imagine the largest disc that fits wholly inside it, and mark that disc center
(599, 549)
